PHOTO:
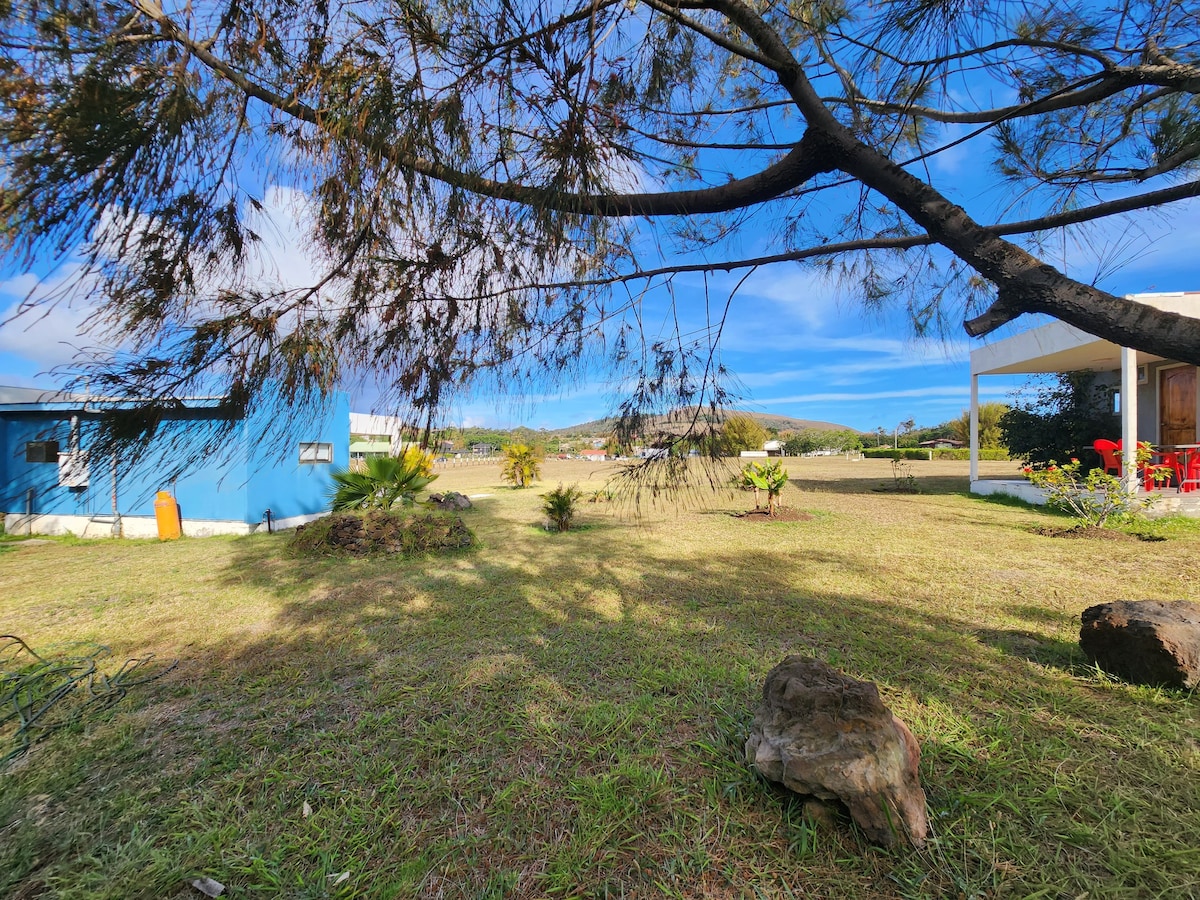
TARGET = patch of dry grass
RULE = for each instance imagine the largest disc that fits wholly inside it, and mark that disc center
(564, 714)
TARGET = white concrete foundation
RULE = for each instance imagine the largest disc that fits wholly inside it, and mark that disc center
(138, 526)
(1014, 487)
(1166, 502)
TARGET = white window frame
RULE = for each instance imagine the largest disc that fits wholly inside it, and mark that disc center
(316, 453)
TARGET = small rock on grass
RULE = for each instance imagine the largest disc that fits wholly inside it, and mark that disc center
(208, 887)
(826, 735)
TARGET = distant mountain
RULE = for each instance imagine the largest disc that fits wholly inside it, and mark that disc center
(679, 421)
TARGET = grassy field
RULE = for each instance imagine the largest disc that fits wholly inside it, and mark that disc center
(563, 715)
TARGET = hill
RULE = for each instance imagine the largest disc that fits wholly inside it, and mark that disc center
(598, 427)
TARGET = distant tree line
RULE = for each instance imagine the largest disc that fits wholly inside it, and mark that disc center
(814, 440)
(1057, 408)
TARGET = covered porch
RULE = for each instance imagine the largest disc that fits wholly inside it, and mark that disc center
(1155, 399)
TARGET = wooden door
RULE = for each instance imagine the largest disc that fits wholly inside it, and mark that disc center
(1177, 405)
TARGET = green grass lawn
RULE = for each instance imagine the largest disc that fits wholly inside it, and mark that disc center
(563, 715)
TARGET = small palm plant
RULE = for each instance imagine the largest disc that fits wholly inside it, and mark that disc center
(743, 481)
(560, 506)
(384, 482)
(521, 465)
(769, 477)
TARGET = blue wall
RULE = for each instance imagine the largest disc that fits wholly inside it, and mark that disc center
(20, 476)
(283, 484)
(258, 467)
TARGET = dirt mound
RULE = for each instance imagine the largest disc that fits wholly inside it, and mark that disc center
(355, 534)
(781, 515)
(1086, 533)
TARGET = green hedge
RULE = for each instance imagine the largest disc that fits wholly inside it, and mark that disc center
(997, 455)
(902, 453)
(922, 453)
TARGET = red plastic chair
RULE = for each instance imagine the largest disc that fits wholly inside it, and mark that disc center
(1109, 457)
(1192, 481)
(1174, 462)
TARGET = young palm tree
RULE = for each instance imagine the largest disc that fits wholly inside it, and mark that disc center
(388, 480)
(560, 506)
(521, 465)
(771, 477)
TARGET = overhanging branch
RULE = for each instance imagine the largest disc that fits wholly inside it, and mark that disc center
(803, 162)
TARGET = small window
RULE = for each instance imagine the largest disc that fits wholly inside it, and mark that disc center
(73, 470)
(316, 452)
(41, 452)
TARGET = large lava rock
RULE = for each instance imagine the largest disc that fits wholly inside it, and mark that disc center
(823, 734)
(452, 501)
(1145, 641)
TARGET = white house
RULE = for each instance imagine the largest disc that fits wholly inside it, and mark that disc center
(1156, 397)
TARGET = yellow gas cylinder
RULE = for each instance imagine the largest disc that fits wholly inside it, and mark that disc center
(166, 514)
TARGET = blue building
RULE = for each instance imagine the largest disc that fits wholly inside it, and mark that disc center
(265, 467)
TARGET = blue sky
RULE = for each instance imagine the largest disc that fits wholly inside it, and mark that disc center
(801, 348)
(797, 345)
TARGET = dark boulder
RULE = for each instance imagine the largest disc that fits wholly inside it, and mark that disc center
(824, 734)
(451, 501)
(1145, 641)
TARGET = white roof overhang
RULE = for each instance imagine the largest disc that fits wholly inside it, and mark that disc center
(1059, 347)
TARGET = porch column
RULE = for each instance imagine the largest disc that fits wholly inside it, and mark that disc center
(974, 428)
(1129, 419)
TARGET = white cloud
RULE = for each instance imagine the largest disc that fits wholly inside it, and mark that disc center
(852, 360)
(284, 259)
(806, 296)
(46, 323)
(958, 159)
(934, 392)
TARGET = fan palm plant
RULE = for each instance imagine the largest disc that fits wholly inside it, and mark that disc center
(386, 481)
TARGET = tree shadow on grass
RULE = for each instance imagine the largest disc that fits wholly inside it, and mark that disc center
(568, 716)
(884, 481)
(1036, 648)
(620, 629)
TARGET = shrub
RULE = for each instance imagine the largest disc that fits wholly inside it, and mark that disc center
(890, 453)
(903, 479)
(1094, 499)
(997, 453)
(380, 531)
(916, 453)
(1061, 420)
(560, 506)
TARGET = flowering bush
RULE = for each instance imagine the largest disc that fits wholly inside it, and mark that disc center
(1094, 498)
(1151, 471)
